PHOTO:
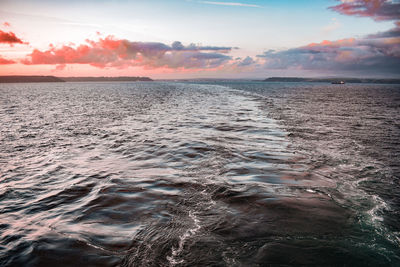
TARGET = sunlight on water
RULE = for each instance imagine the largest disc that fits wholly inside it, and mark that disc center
(183, 174)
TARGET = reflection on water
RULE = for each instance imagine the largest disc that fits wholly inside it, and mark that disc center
(178, 174)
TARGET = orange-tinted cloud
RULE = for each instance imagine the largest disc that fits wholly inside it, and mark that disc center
(9, 38)
(378, 53)
(372, 54)
(122, 53)
(4, 61)
(6, 24)
(376, 9)
(338, 43)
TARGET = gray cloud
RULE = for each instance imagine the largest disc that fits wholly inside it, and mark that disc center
(369, 55)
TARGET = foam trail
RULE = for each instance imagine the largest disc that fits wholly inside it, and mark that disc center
(182, 240)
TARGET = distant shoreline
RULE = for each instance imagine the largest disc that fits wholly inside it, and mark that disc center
(29, 79)
(329, 80)
(41, 79)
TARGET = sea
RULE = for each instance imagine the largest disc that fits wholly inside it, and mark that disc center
(196, 173)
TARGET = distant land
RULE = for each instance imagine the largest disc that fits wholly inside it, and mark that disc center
(39, 79)
(347, 80)
(29, 79)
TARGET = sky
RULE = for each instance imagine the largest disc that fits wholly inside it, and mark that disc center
(175, 39)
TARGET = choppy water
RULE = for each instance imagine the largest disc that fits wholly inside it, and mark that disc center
(182, 174)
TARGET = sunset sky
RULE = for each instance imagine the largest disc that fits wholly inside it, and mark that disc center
(190, 38)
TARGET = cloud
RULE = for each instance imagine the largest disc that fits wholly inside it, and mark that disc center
(6, 24)
(374, 54)
(4, 61)
(247, 61)
(192, 47)
(9, 38)
(395, 32)
(376, 9)
(379, 53)
(228, 4)
(122, 53)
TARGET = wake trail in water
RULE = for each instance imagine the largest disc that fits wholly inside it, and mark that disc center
(182, 174)
(182, 239)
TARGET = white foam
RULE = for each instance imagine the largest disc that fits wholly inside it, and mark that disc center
(380, 205)
(182, 239)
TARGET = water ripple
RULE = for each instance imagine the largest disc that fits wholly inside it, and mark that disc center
(180, 174)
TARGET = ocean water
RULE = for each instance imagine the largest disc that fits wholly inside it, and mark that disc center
(199, 174)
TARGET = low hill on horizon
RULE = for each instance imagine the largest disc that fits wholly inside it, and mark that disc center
(39, 79)
(334, 79)
(29, 79)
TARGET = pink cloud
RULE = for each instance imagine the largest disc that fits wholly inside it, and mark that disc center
(9, 38)
(376, 9)
(338, 43)
(122, 53)
(378, 53)
(4, 61)
(6, 24)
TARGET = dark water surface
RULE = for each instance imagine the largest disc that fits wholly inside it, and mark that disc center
(182, 174)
